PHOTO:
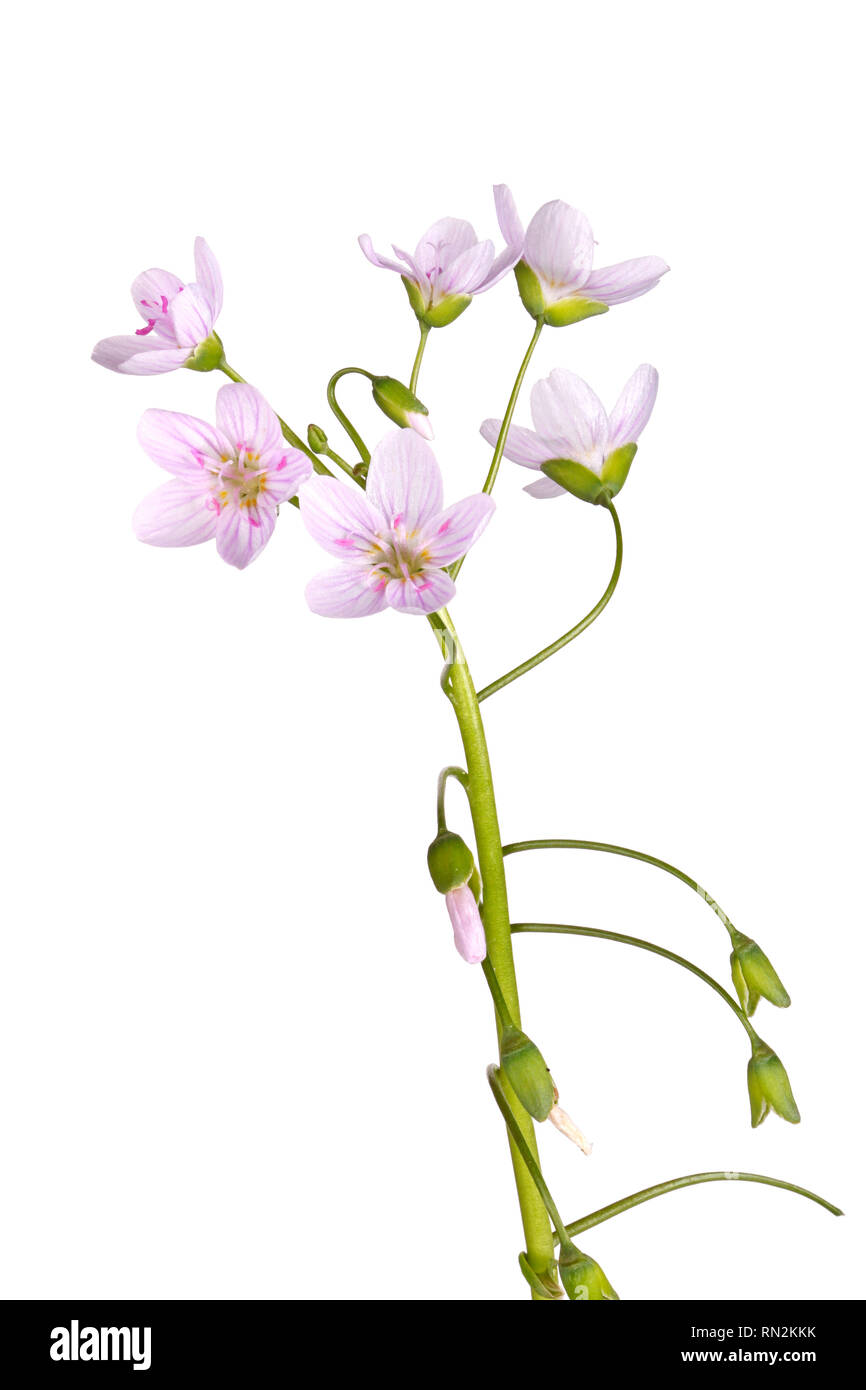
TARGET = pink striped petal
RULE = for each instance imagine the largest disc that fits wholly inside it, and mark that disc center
(243, 532)
(545, 487)
(506, 213)
(374, 258)
(559, 245)
(521, 445)
(155, 289)
(465, 274)
(339, 517)
(208, 277)
(634, 407)
(456, 530)
(346, 592)
(245, 417)
(284, 477)
(403, 482)
(442, 243)
(423, 593)
(176, 514)
(191, 317)
(133, 356)
(466, 922)
(566, 410)
(181, 444)
(616, 284)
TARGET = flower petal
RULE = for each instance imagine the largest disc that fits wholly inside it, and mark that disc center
(423, 593)
(559, 245)
(442, 243)
(383, 262)
(466, 922)
(615, 284)
(135, 356)
(191, 316)
(403, 482)
(456, 530)
(283, 478)
(339, 517)
(521, 445)
(566, 411)
(634, 407)
(243, 532)
(181, 444)
(176, 514)
(506, 213)
(346, 592)
(207, 276)
(244, 416)
(154, 290)
(464, 274)
(545, 487)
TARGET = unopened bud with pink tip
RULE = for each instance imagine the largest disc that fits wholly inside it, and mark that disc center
(402, 405)
(452, 869)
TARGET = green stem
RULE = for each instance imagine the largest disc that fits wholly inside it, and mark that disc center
(496, 1080)
(558, 929)
(498, 997)
(520, 846)
(341, 463)
(459, 776)
(573, 632)
(457, 682)
(503, 431)
(595, 1218)
(416, 365)
(341, 414)
(288, 433)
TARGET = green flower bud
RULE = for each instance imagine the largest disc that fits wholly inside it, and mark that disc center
(436, 315)
(528, 1073)
(559, 314)
(401, 405)
(317, 439)
(769, 1087)
(754, 976)
(450, 862)
(207, 356)
(582, 1278)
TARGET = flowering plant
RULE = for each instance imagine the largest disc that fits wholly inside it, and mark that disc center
(382, 519)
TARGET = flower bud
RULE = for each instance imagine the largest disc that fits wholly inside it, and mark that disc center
(401, 405)
(317, 439)
(466, 921)
(435, 315)
(754, 976)
(563, 311)
(582, 1278)
(527, 1072)
(769, 1087)
(450, 861)
(207, 356)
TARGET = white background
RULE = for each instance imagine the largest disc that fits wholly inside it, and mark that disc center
(241, 1057)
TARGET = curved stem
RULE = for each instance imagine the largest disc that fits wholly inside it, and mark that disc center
(340, 462)
(416, 365)
(558, 929)
(595, 1218)
(503, 431)
(459, 776)
(573, 632)
(457, 683)
(494, 1077)
(520, 846)
(288, 433)
(341, 414)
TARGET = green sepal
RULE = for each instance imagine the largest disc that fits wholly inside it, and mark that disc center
(582, 1278)
(208, 355)
(437, 315)
(577, 479)
(527, 1073)
(615, 468)
(475, 883)
(317, 439)
(396, 400)
(754, 977)
(450, 861)
(546, 1285)
(530, 290)
(566, 311)
(769, 1087)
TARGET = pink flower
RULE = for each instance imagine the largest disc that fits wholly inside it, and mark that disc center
(575, 440)
(555, 274)
(449, 266)
(228, 481)
(466, 921)
(178, 319)
(394, 540)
